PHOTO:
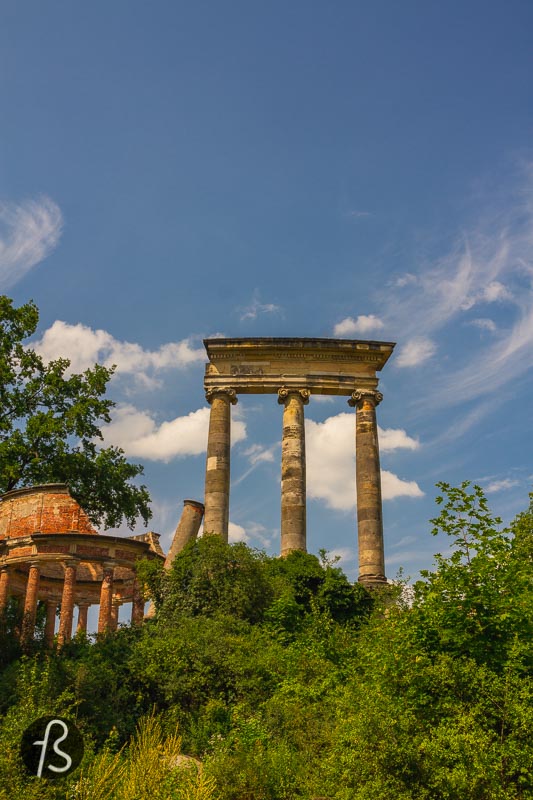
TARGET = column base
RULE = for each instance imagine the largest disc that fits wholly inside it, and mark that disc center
(372, 581)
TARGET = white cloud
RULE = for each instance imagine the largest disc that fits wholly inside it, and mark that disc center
(406, 280)
(415, 352)
(346, 556)
(363, 324)
(355, 214)
(258, 454)
(85, 346)
(236, 533)
(139, 435)
(330, 461)
(484, 324)
(28, 234)
(395, 439)
(256, 307)
(498, 486)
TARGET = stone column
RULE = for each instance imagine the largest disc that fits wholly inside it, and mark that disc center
(106, 599)
(50, 624)
(187, 530)
(293, 512)
(137, 605)
(217, 473)
(368, 479)
(115, 610)
(4, 589)
(66, 613)
(30, 605)
(83, 610)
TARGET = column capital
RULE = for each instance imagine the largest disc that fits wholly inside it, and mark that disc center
(359, 395)
(212, 392)
(284, 393)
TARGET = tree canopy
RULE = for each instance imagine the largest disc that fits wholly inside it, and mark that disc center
(50, 427)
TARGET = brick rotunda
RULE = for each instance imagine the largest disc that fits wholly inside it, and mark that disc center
(51, 554)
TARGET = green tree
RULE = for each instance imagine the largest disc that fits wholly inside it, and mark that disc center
(50, 424)
(478, 602)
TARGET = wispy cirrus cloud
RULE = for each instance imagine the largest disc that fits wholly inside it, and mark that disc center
(29, 232)
(415, 352)
(501, 485)
(257, 308)
(85, 346)
(488, 267)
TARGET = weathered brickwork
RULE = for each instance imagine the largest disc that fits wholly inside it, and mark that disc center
(46, 509)
(49, 552)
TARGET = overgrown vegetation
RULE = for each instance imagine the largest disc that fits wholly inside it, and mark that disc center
(286, 681)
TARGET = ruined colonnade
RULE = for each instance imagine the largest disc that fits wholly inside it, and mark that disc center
(295, 369)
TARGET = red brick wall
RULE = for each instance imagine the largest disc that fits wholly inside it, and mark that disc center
(43, 510)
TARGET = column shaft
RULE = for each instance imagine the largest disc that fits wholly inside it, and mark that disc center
(293, 492)
(106, 599)
(83, 610)
(4, 589)
(30, 605)
(115, 609)
(187, 530)
(368, 479)
(66, 614)
(137, 605)
(50, 624)
(217, 474)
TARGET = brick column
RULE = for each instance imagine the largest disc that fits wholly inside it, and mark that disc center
(66, 613)
(187, 530)
(368, 478)
(293, 492)
(106, 599)
(50, 624)
(4, 589)
(30, 605)
(217, 473)
(83, 610)
(137, 605)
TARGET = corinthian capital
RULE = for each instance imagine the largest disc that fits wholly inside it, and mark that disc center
(359, 395)
(284, 393)
(210, 394)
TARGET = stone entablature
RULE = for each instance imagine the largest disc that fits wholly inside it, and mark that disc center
(322, 366)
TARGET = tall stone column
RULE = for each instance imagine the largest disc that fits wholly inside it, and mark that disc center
(137, 605)
(50, 623)
(30, 605)
(187, 530)
(4, 589)
(83, 611)
(106, 599)
(66, 613)
(217, 473)
(293, 511)
(368, 479)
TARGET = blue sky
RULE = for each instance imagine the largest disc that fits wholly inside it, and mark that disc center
(171, 171)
